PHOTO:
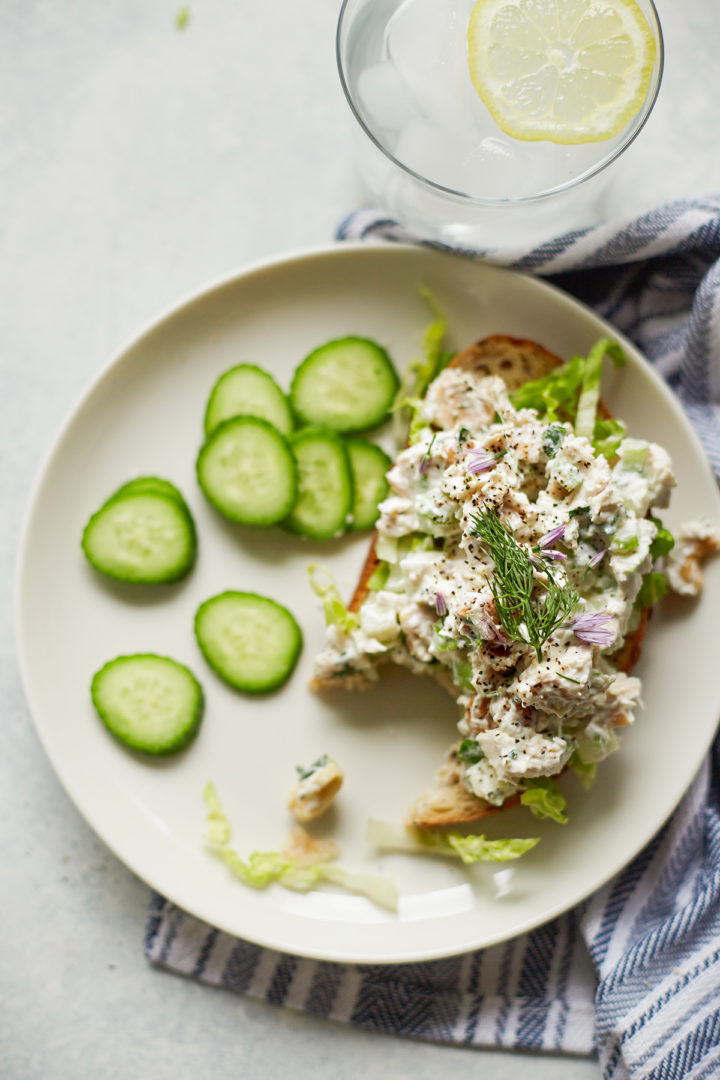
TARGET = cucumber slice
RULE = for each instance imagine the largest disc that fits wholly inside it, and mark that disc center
(148, 702)
(249, 640)
(153, 484)
(369, 464)
(247, 390)
(346, 385)
(325, 488)
(247, 471)
(143, 538)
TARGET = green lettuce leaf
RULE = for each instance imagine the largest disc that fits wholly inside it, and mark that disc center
(261, 868)
(590, 390)
(594, 743)
(379, 576)
(462, 676)
(653, 588)
(663, 542)
(608, 433)
(336, 612)
(584, 770)
(477, 849)
(555, 394)
(469, 849)
(419, 374)
(544, 799)
(570, 392)
(469, 752)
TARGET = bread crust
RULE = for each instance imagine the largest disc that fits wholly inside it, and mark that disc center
(516, 361)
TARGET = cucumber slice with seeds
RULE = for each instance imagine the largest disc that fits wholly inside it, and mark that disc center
(325, 488)
(347, 385)
(152, 484)
(247, 471)
(150, 703)
(369, 464)
(247, 390)
(144, 538)
(250, 641)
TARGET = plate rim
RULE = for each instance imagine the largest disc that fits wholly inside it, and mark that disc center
(155, 323)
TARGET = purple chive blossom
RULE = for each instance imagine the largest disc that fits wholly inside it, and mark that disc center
(440, 604)
(491, 633)
(551, 537)
(590, 629)
(481, 461)
(598, 558)
(425, 459)
(552, 554)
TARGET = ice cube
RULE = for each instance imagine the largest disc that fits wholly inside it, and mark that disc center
(427, 42)
(431, 151)
(497, 168)
(385, 99)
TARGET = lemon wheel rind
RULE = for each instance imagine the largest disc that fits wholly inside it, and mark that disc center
(605, 123)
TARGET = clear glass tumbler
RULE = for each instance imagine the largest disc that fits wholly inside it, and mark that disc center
(430, 152)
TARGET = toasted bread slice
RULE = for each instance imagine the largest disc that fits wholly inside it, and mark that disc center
(516, 361)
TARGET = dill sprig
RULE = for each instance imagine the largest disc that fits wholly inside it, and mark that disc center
(529, 609)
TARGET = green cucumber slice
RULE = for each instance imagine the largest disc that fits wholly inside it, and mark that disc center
(145, 538)
(325, 488)
(247, 390)
(247, 471)
(347, 385)
(250, 641)
(150, 703)
(154, 484)
(369, 464)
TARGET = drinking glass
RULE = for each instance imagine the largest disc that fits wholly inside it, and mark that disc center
(431, 154)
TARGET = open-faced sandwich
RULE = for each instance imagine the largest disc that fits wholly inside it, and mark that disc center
(514, 560)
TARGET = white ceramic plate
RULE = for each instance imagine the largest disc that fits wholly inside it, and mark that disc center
(144, 415)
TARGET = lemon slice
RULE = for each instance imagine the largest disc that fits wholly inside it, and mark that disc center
(569, 71)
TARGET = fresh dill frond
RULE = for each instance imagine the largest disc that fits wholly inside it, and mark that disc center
(529, 609)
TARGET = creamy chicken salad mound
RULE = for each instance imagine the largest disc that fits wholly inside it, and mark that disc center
(534, 673)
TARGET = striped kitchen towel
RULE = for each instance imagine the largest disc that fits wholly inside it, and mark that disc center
(633, 974)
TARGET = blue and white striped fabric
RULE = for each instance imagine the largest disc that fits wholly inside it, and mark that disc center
(633, 974)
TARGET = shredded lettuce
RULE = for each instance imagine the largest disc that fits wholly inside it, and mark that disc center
(380, 888)
(469, 752)
(470, 849)
(663, 542)
(590, 391)
(555, 394)
(419, 374)
(653, 588)
(594, 744)
(379, 576)
(261, 868)
(392, 549)
(544, 799)
(584, 770)
(633, 454)
(624, 547)
(386, 548)
(607, 436)
(440, 642)
(336, 612)
(570, 393)
(462, 674)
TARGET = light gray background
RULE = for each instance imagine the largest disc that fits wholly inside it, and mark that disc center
(138, 163)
